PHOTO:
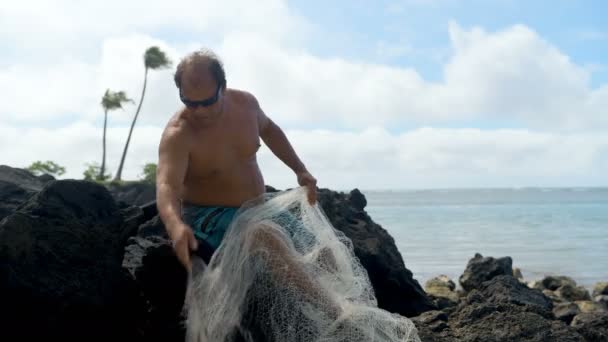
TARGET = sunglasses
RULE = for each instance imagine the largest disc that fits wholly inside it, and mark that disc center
(203, 103)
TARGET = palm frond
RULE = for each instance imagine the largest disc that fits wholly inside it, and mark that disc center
(155, 58)
(114, 100)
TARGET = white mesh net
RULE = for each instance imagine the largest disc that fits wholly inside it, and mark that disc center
(284, 273)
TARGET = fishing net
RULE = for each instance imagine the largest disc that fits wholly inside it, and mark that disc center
(284, 273)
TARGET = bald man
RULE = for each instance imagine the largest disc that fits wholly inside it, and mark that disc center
(207, 165)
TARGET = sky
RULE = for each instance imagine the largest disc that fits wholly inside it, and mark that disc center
(395, 94)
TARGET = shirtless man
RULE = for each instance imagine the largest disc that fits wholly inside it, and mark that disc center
(207, 156)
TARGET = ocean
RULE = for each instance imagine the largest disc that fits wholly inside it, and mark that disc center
(546, 231)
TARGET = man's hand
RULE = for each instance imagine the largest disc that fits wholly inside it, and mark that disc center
(183, 242)
(306, 179)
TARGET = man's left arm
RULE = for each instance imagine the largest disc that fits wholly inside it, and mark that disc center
(276, 140)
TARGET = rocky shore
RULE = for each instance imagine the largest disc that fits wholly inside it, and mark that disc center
(80, 260)
(494, 303)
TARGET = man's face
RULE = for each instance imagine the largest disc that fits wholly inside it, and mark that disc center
(201, 95)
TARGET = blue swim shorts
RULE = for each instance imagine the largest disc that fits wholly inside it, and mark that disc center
(209, 224)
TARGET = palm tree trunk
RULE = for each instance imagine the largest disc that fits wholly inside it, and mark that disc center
(124, 153)
(103, 158)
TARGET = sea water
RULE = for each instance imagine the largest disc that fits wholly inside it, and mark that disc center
(546, 231)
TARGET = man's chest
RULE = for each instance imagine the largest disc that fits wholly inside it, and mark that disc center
(234, 142)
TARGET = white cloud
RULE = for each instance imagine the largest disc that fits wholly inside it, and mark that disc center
(42, 94)
(66, 23)
(511, 75)
(515, 73)
(445, 158)
(368, 159)
(38, 92)
(75, 50)
(77, 144)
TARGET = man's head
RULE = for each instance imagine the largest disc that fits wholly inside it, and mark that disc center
(201, 81)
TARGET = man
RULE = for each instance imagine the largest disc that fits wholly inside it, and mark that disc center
(207, 169)
(207, 164)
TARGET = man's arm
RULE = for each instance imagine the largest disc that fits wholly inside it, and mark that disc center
(170, 174)
(276, 140)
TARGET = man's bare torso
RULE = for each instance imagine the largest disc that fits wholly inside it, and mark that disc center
(222, 166)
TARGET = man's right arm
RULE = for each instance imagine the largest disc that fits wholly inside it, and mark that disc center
(170, 174)
(171, 171)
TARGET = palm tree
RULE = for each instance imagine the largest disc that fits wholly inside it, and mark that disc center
(110, 101)
(154, 58)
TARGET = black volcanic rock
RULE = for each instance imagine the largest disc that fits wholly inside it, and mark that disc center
(61, 269)
(394, 285)
(594, 327)
(160, 278)
(555, 282)
(77, 263)
(480, 269)
(80, 260)
(17, 186)
(357, 199)
(600, 289)
(566, 311)
(504, 309)
(508, 290)
(133, 193)
(507, 322)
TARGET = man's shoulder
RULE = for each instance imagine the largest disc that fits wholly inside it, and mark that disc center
(243, 97)
(176, 130)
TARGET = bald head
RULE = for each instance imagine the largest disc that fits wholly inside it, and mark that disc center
(199, 69)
